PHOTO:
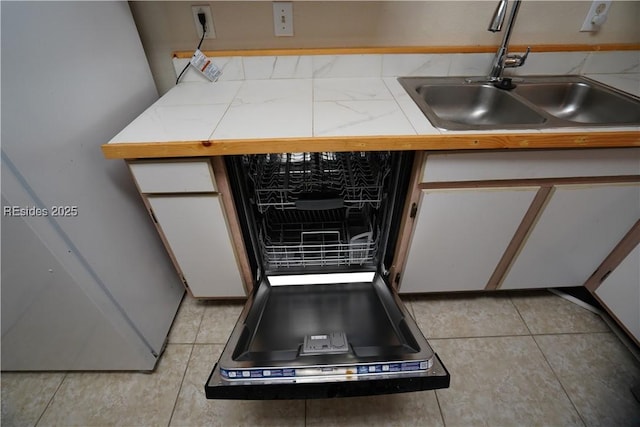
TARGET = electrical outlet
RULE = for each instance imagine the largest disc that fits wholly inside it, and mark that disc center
(596, 16)
(283, 18)
(206, 9)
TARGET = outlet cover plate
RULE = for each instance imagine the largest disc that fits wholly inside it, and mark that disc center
(598, 8)
(211, 31)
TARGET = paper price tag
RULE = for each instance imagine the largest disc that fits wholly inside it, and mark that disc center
(203, 64)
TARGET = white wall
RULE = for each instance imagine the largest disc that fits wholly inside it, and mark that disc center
(166, 26)
(73, 75)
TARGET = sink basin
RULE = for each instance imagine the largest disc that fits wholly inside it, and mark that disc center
(581, 102)
(451, 103)
(476, 105)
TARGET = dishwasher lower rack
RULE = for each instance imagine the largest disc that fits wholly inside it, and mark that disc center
(325, 238)
(319, 341)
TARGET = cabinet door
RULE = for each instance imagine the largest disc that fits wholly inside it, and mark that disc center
(576, 231)
(620, 293)
(460, 236)
(195, 230)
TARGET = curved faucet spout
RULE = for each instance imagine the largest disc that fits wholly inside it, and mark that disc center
(502, 57)
(498, 17)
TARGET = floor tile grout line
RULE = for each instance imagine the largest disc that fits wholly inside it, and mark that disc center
(51, 399)
(478, 336)
(440, 408)
(572, 333)
(518, 335)
(306, 401)
(195, 339)
(544, 356)
(526, 325)
(184, 374)
(412, 311)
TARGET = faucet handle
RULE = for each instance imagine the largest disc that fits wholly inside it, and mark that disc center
(513, 60)
(526, 54)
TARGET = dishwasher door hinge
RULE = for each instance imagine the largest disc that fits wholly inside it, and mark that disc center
(414, 210)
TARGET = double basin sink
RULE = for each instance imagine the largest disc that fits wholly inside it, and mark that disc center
(454, 103)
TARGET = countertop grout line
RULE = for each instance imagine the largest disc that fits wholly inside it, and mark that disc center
(313, 126)
(402, 110)
(226, 110)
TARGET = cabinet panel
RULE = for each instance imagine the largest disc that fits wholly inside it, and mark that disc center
(460, 236)
(531, 165)
(173, 177)
(620, 293)
(576, 231)
(195, 229)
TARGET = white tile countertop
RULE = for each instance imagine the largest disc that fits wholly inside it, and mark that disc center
(329, 96)
(284, 108)
(254, 109)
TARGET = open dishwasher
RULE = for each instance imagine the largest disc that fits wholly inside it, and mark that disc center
(322, 320)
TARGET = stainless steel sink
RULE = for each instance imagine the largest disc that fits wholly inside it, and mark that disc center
(581, 102)
(452, 103)
(476, 105)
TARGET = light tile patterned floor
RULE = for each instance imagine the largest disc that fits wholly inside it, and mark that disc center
(516, 359)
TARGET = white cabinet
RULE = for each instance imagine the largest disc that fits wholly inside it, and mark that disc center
(515, 220)
(577, 229)
(174, 176)
(460, 236)
(535, 164)
(620, 293)
(190, 201)
(195, 230)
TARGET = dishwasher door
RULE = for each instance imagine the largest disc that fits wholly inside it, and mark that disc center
(352, 338)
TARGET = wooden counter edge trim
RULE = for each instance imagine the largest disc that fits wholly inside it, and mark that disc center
(372, 143)
(405, 233)
(233, 223)
(410, 49)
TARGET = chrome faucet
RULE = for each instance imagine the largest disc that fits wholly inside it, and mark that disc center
(503, 59)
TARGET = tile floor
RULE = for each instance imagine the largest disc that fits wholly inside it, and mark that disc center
(516, 359)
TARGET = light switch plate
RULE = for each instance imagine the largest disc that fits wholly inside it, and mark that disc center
(283, 18)
(211, 31)
(596, 16)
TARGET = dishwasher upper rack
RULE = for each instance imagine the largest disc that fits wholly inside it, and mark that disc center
(280, 180)
(326, 238)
